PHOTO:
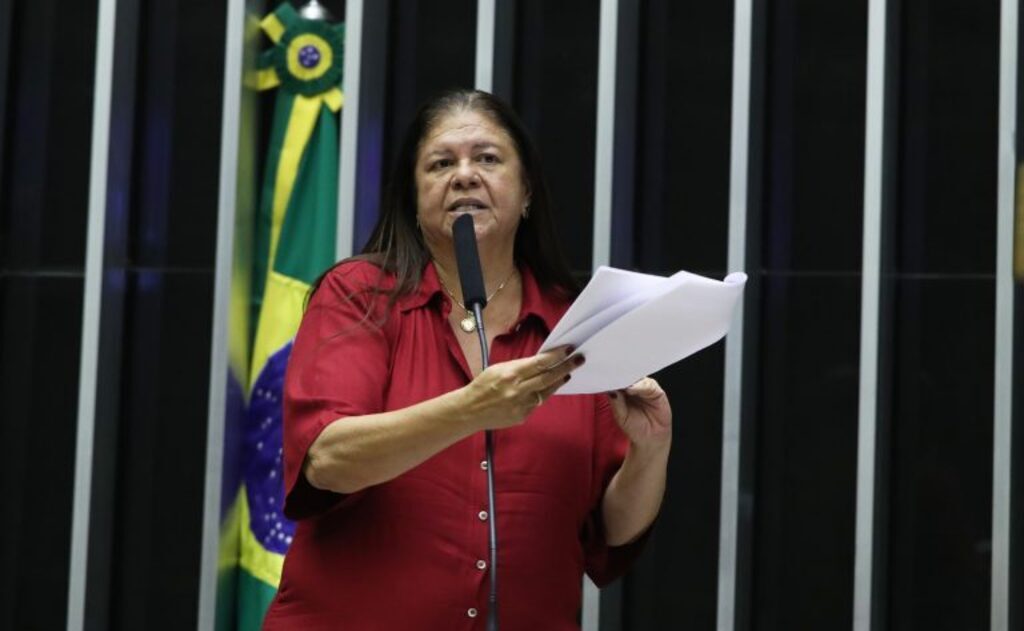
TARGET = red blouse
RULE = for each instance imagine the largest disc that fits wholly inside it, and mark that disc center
(412, 553)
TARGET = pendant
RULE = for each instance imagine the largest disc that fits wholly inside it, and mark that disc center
(468, 323)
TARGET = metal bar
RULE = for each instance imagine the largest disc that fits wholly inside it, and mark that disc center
(234, 53)
(728, 543)
(485, 16)
(604, 164)
(89, 359)
(348, 161)
(1003, 421)
(874, 153)
(604, 171)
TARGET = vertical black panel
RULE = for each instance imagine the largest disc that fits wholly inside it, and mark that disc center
(948, 118)
(814, 156)
(806, 460)
(555, 93)
(680, 221)
(48, 128)
(683, 132)
(941, 487)
(809, 233)
(47, 56)
(161, 445)
(40, 334)
(674, 582)
(177, 135)
(939, 407)
(432, 47)
(5, 59)
(169, 218)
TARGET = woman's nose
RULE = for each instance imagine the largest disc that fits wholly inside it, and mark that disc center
(465, 176)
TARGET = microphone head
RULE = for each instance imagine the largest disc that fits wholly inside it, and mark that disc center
(468, 259)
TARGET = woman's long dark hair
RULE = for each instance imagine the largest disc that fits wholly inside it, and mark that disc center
(396, 245)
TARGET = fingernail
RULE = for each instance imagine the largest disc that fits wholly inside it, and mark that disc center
(569, 350)
(614, 395)
(567, 378)
(578, 360)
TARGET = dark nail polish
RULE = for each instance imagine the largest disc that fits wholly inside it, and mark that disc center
(569, 350)
(578, 360)
(614, 395)
(567, 378)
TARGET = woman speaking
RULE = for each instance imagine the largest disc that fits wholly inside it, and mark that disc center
(385, 407)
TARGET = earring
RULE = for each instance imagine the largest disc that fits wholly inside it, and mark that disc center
(526, 211)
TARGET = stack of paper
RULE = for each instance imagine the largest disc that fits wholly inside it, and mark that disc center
(629, 325)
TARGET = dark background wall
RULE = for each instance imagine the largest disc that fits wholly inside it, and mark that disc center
(46, 61)
(806, 249)
(680, 221)
(804, 259)
(940, 282)
(153, 369)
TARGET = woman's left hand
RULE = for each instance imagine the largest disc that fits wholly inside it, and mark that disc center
(644, 414)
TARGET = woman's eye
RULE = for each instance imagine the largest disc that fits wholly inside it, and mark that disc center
(489, 158)
(441, 164)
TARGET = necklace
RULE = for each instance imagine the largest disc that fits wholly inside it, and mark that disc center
(468, 324)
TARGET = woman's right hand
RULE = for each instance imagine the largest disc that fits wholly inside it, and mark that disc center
(506, 393)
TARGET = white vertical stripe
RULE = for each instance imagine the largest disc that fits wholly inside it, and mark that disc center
(874, 150)
(604, 163)
(605, 154)
(591, 619)
(89, 358)
(226, 210)
(484, 78)
(733, 396)
(348, 159)
(1003, 422)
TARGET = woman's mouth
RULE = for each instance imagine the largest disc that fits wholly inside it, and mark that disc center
(466, 205)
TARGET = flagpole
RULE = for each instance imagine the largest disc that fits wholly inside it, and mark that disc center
(313, 10)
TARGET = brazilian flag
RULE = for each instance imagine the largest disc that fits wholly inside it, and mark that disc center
(293, 243)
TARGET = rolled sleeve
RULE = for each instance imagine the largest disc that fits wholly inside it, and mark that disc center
(605, 563)
(338, 368)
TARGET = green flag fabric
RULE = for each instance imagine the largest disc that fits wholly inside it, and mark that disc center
(293, 242)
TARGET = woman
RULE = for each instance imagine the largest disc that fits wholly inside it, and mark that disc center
(385, 404)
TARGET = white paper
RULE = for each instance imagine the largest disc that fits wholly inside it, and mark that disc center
(628, 325)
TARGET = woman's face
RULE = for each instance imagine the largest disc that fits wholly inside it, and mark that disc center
(468, 164)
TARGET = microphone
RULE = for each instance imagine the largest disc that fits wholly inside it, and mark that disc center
(468, 260)
(474, 295)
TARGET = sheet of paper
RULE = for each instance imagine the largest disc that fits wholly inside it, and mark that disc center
(610, 293)
(629, 325)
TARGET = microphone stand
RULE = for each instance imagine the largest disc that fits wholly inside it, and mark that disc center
(474, 295)
(492, 609)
